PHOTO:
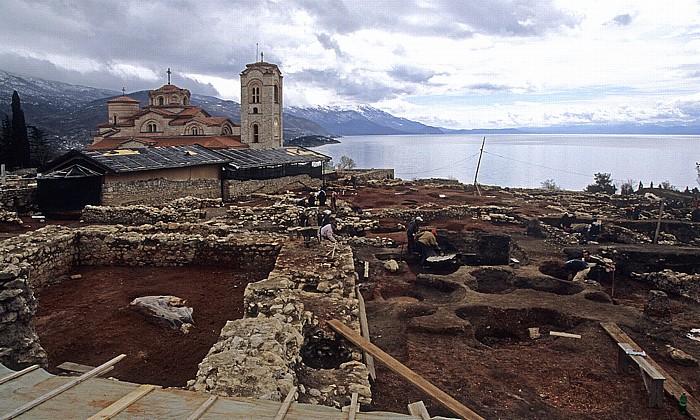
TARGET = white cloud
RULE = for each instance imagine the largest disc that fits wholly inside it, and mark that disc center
(483, 63)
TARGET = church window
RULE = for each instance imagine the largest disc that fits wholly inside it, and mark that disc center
(226, 131)
(194, 131)
(115, 119)
(277, 128)
(185, 101)
(255, 110)
(255, 95)
(161, 101)
(174, 100)
(256, 134)
(277, 94)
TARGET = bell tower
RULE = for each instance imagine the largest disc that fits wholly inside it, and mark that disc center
(261, 105)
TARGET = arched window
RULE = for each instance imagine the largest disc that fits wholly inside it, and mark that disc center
(255, 110)
(226, 130)
(161, 101)
(194, 131)
(277, 128)
(255, 95)
(256, 134)
(185, 101)
(174, 100)
(115, 119)
(149, 127)
(276, 92)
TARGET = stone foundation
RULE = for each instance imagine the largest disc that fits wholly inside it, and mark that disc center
(157, 191)
(19, 343)
(20, 200)
(303, 291)
(188, 209)
(49, 253)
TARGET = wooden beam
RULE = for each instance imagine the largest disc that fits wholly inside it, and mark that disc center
(417, 409)
(286, 404)
(563, 334)
(199, 412)
(393, 364)
(671, 386)
(364, 328)
(123, 403)
(78, 368)
(68, 385)
(18, 374)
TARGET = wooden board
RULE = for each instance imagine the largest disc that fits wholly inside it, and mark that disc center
(671, 386)
(563, 334)
(282, 412)
(123, 403)
(18, 374)
(199, 412)
(393, 364)
(364, 327)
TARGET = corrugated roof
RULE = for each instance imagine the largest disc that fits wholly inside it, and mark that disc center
(151, 158)
(105, 397)
(256, 158)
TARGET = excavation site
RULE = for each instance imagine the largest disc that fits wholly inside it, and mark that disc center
(247, 309)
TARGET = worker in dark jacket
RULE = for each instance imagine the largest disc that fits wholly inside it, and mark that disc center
(411, 231)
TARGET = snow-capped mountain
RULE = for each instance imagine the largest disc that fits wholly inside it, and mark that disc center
(70, 113)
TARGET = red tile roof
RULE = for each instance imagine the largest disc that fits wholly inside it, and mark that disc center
(123, 99)
(210, 142)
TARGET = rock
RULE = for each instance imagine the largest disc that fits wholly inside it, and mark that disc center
(657, 305)
(391, 266)
(680, 357)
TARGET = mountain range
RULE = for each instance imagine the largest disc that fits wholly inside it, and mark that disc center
(69, 114)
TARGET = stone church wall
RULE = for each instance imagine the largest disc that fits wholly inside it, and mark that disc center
(235, 188)
(157, 191)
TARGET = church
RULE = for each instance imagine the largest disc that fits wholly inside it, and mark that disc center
(170, 119)
(170, 149)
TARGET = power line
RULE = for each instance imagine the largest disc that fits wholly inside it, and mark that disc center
(539, 166)
(443, 167)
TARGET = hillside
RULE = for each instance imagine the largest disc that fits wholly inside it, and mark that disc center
(70, 113)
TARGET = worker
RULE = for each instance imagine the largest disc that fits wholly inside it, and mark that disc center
(566, 221)
(594, 230)
(426, 243)
(334, 201)
(312, 199)
(321, 196)
(411, 231)
(327, 232)
(577, 269)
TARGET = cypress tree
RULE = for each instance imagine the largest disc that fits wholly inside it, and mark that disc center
(19, 141)
(5, 133)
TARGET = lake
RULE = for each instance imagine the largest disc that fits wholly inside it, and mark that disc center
(527, 160)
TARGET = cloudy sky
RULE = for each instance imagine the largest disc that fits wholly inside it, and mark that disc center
(451, 63)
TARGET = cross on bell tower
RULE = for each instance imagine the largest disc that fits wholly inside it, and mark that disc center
(123, 91)
(169, 72)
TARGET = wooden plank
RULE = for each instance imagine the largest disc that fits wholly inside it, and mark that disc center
(199, 412)
(671, 386)
(82, 378)
(393, 364)
(286, 404)
(366, 273)
(418, 409)
(563, 334)
(364, 328)
(18, 374)
(354, 408)
(123, 403)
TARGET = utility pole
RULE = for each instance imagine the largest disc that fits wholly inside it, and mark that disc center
(476, 186)
(658, 223)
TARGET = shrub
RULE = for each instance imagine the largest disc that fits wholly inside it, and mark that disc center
(603, 183)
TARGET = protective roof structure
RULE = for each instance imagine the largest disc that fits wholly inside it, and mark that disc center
(258, 158)
(169, 157)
